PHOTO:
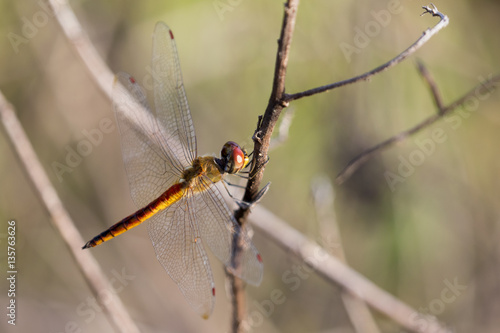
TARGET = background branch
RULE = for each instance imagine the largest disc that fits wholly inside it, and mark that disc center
(334, 271)
(280, 100)
(432, 86)
(323, 196)
(426, 36)
(62, 222)
(362, 158)
(76, 35)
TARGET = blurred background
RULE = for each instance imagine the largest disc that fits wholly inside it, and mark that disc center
(420, 220)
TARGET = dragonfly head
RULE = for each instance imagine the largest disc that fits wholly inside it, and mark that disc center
(233, 157)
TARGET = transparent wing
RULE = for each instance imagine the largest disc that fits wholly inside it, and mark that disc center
(157, 147)
(218, 229)
(182, 254)
(170, 98)
(151, 165)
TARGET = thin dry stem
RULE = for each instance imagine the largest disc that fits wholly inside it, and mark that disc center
(61, 220)
(334, 271)
(262, 139)
(323, 196)
(432, 86)
(362, 158)
(426, 36)
(280, 100)
(84, 48)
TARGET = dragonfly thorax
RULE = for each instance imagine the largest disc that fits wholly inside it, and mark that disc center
(203, 166)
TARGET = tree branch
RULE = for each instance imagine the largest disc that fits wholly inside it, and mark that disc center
(280, 100)
(323, 196)
(362, 158)
(262, 135)
(334, 271)
(432, 86)
(426, 36)
(92, 273)
(84, 48)
(262, 139)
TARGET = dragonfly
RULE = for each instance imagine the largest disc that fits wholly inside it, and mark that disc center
(174, 187)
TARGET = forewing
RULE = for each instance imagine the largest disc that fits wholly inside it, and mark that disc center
(152, 167)
(170, 97)
(183, 256)
(218, 230)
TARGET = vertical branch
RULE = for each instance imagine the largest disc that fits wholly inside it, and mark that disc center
(324, 196)
(262, 136)
(84, 48)
(94, 276)
(262, 139)
(334, 271)
(424, 72)
(442, 110)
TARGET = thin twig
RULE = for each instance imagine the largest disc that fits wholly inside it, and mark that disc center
(262, 136)
(334, 271)
(359, 160)
(262, 139)
(280, 100)
(432, 86)
(426, 36)
(94, 276)
(84, 48)
(323, 196)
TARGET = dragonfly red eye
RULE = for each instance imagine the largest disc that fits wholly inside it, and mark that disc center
(234, 156)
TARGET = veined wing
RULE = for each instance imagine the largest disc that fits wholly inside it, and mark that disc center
(172, 110)
(218, 228)
(181, 252)
(150, 164)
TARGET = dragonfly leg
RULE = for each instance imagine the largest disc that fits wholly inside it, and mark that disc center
(252, 164)
(258, 197)
(235, 185)
(225, 183)
(246, 204)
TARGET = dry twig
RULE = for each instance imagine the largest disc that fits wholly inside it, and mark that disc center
(94, 276)
(84, 48)
(323, 196)
(359, 160)
(426, 36)
(279, 100)
(334, 271)
(262, 140)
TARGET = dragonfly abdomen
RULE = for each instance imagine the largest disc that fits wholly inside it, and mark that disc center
(173, 194)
